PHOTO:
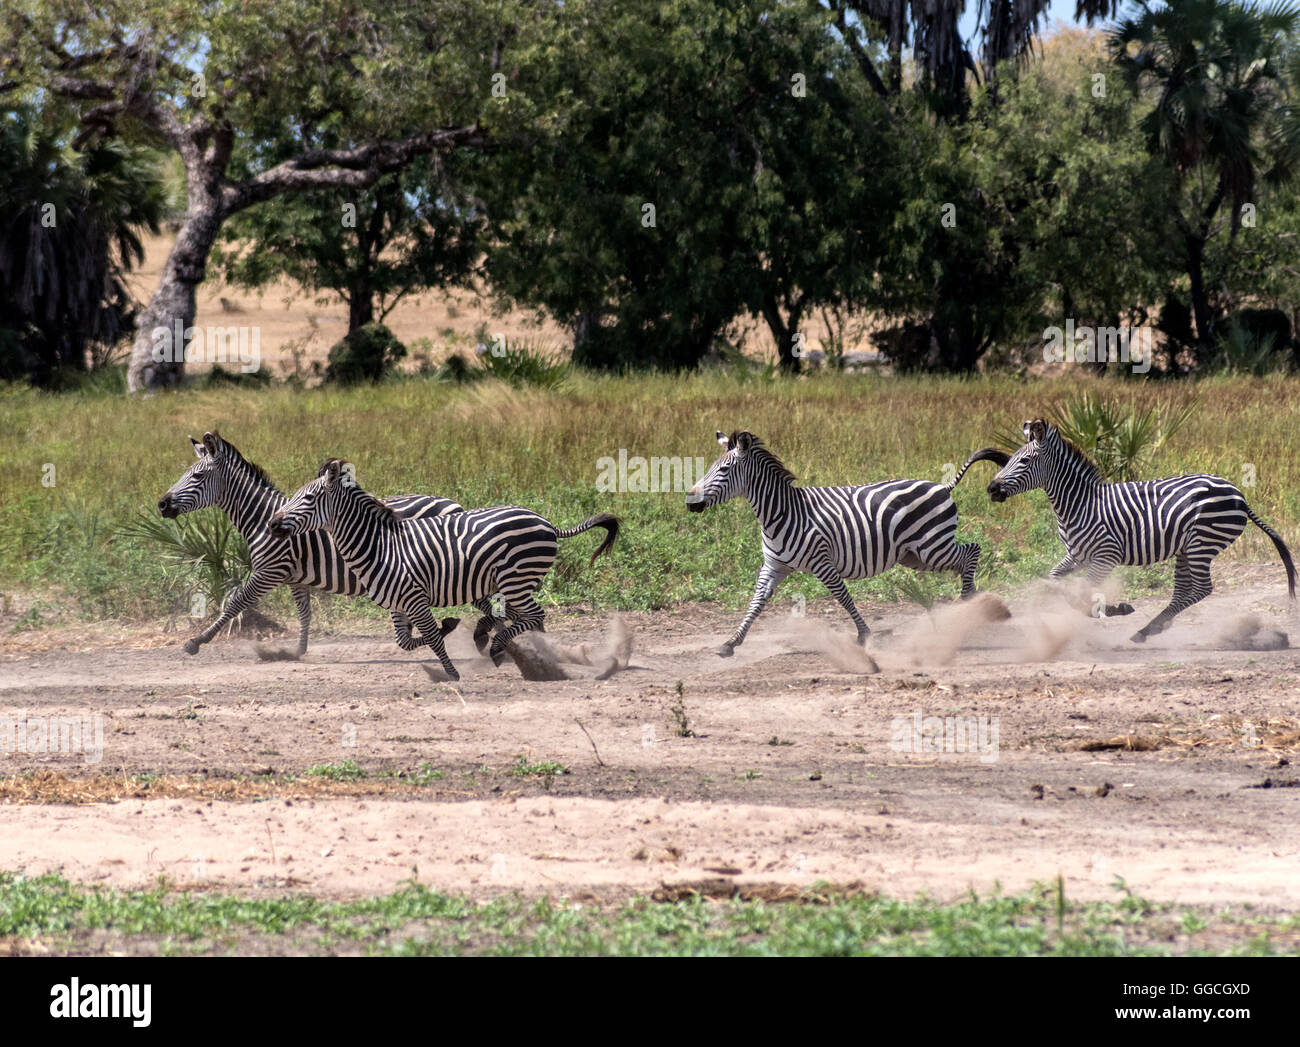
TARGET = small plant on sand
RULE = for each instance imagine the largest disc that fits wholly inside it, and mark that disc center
(347, 771)
(678, 710)
(546, 770)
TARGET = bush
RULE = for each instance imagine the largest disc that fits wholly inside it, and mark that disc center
(367, 354)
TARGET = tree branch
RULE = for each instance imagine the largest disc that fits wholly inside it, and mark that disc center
(357, 168)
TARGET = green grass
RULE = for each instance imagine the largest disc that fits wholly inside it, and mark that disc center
(489, 443)
(347, 771)
(59, 916)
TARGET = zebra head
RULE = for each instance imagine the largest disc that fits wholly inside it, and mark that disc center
(1029, 466)
(203, 482)
(315, 504)
(729, 476)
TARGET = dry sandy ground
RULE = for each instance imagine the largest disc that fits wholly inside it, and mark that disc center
(290, 320)
(791, 773)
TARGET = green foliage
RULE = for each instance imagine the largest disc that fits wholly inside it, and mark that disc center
(524, 362)
(546, 770)
(347, 771)
(683, 182)
(70, 225)
(204, 551)
(368, 354)
(1123, 439)
(1221, 124)
(372, 247)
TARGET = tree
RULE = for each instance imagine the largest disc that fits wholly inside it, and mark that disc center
(403, 80)
(709, 160)
(1220, 121)
(1008, 28)
(69, 232)
(372, 247)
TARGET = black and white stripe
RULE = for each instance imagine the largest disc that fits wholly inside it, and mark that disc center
(408, 563)
(1103, 525)
(222, 477)
(837, 533)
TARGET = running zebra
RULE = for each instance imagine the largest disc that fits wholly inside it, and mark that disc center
(1192, 518)
(408, 563)
(225, 478)
(837, 533)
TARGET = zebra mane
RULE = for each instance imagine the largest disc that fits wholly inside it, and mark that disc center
(236, 456)
(1076, 455)
(378, 507)
(764, 455)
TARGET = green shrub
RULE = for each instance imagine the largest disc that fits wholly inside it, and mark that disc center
(368, 354)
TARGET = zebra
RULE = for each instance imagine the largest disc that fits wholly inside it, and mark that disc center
(1103, 525)
(408, 563)
(225, 478)
(837, 533)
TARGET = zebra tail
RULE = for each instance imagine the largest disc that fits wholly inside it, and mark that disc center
(988, 454)
(605, 520)
(1283, 551)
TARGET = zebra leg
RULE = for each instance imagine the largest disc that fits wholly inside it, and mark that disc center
(246, 596)
(769, 578)
(485, 625)
(302, 601)
(964, 559)
(1098, 572)
(431, 634)
(830, 578)
(1191, 585)
(402, 626)
(526, 614)
(1067, 566)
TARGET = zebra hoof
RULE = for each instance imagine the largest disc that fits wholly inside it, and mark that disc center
(1139, 637)
(448, 625)
(497, 656)
(191, 646)
(1120, 608)
(726, 651)
(451, 672)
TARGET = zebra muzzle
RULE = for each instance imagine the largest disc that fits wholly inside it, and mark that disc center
(997, 492)
(696, 503)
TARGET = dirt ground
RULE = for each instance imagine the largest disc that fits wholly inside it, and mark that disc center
(1172, 765)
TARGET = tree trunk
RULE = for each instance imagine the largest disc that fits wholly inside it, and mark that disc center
(1200, 303)
(783, 333)
(157, 354)
(361, 308)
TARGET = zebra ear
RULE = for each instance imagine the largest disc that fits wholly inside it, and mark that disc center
(723, 442)
(199, 449)
(210, 444)
(1036, 429)
(744, 441)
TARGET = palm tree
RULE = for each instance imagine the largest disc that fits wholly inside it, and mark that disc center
(1220, 119)
(69, 230)
(1008, 29)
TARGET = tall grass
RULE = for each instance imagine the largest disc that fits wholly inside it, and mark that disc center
(489, 443)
